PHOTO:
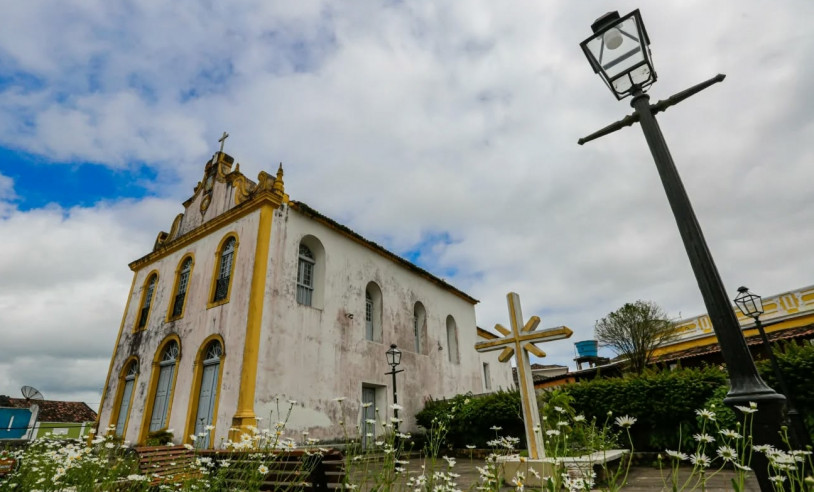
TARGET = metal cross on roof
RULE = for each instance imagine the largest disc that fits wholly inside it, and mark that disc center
(222, 140)
(519, 341)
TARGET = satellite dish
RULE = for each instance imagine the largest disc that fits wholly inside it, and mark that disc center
(31, 393)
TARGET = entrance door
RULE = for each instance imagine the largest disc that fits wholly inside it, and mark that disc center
(368, 416)
(206, 399)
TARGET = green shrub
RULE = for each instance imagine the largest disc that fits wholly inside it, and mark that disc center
(584, 436)
(470, 420)
(663, 402)
(796, 362)
(723, 414)
(159, 438)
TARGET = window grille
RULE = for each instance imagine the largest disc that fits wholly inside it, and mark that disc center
(145, 307)
(368, 316)
(417, 333)
(225, 270)
(213, 351)
(305, 276)
(180, 294)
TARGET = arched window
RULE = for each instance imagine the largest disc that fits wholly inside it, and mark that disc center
(146, 300)
(126, 384)
(310, 272)
(452, 340)
(419, 320)
(373, 312)
(207, 392)
(163, 389)
(224, 268)
(181, 286)
(305, 276)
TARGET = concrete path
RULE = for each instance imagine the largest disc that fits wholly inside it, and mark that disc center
(639, 479)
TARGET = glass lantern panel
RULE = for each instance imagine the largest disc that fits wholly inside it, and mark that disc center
(641, 75)
(752, 306)
(618, 49)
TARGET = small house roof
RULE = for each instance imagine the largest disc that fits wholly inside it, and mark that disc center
(55, 411)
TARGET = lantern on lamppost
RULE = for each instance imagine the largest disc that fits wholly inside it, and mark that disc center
(751, 305)
(619, 52)
(394, 359)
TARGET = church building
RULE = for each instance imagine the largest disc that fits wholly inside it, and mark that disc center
(253, 300)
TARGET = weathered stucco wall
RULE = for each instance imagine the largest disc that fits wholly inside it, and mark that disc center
(313, 355)
(198, 323)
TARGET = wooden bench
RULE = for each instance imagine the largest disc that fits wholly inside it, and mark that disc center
(166, 464)
(7, 466)
(290, 470)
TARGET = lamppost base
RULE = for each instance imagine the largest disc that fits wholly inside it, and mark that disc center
(766, 422)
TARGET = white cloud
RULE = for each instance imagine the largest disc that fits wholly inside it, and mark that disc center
(64, 282)
(415, 121)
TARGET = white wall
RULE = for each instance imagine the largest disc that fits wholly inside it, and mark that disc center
(228, 320)
(314, 355)
(308, 354)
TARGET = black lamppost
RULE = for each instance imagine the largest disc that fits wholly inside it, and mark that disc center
(619, 51)
(751, 305)
(394, 359)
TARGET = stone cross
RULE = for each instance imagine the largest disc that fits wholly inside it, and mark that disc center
(519, 341)
(222, 141)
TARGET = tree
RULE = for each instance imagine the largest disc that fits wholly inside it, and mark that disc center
(634, 331)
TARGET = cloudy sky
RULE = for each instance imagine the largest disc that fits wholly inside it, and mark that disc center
(444, 130)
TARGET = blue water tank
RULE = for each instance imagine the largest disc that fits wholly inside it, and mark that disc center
(587, 348)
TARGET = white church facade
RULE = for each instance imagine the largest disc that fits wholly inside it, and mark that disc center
(253, 299)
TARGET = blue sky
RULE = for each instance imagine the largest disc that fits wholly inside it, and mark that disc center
(39, 182)
(444, 131)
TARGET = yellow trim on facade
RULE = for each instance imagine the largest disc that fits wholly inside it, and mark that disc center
(144, 287)
(195, 390)
(174, 291)
(221, 221)
(153, 385)
(244, 415)
(117, 402)
(710, 339)
(115, 353)
(218, 252)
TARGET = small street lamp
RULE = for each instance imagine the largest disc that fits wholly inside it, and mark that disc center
(751, 305)
(619, 51)
(394, 359)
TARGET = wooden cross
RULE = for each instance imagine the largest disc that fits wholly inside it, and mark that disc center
(222, 140)
(519, 341)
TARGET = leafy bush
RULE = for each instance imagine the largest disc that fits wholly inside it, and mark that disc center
(470, 419)
(580, 435)
(664, 402)
(797, 365)
(159, 437)
(724, 415)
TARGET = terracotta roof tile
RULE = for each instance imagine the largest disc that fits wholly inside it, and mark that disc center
(57, 411)
(806, 331)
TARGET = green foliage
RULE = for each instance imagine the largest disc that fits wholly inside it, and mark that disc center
(471, 419)
(724, 415)
(662, 401)
(52, 464)
(579, 435)
(635, 331)
(797, 365)
(159, 437)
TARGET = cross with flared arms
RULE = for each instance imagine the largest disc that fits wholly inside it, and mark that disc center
(519, 341)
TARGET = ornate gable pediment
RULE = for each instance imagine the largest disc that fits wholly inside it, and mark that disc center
(220, 189)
